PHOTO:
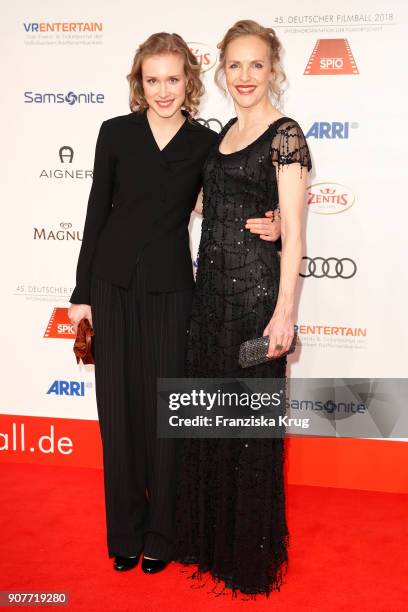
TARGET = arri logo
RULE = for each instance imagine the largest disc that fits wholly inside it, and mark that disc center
(59, 326)
(331, 130)
(329, 198)
(68, 387)
(206, 56)
(331, 56)
(70, 98)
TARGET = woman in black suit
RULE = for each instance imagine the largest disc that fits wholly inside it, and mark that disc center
(134, 283)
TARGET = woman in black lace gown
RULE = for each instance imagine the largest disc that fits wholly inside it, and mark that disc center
(231, 503)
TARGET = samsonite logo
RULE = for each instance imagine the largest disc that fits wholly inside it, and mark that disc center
(71, 98)
(206, 56)
(331, 129)
(331, 56)
(329, 198)
(69, 388)
(59, 326)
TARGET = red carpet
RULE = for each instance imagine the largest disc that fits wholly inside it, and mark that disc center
(348, 549)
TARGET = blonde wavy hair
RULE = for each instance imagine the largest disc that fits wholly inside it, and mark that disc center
(247, 27)
(157, 44)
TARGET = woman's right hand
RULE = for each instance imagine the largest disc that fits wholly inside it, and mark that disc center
(76, 312)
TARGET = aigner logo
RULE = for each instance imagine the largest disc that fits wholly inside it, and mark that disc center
(329, 267)
(331, 56)
(66, 156)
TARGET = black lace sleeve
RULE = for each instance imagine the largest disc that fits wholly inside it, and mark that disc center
(289, 146)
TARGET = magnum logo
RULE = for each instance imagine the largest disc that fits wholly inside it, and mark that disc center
(331, 56)
(64, 233)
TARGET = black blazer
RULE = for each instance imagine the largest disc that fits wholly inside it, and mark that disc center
(141, 200)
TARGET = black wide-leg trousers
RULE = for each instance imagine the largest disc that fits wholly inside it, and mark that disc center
(139, 337)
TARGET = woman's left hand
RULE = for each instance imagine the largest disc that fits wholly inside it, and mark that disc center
(268, 228)
(280, 330)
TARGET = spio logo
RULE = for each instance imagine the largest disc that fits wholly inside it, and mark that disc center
(213, 124)
(70, 98)
(331, 56)
(206, 56)
(328, 267)
(68, 387)
(66, 154)
(59, 326)
(331, 130)
(329, 198)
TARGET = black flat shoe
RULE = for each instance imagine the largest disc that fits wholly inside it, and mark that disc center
(152, 566)
(122, 564)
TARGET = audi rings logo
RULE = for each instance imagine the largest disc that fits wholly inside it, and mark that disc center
(329, 267)
(213, 124)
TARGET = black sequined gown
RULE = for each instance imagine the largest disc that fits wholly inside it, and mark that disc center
(231, 502)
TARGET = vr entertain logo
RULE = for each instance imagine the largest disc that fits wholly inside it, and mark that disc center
(70, 98)
(59, 326)
(331, 56)
(326, 335)
(329, 198)
(330, 330)
(63, 26)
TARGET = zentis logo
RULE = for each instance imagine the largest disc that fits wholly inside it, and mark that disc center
(329, 198)
(59, 326)
(206, 56)
(331, 56)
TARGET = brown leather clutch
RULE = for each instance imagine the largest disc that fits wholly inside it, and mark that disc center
(83, 342)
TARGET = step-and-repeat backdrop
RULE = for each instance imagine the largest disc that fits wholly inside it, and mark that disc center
(65, 72)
